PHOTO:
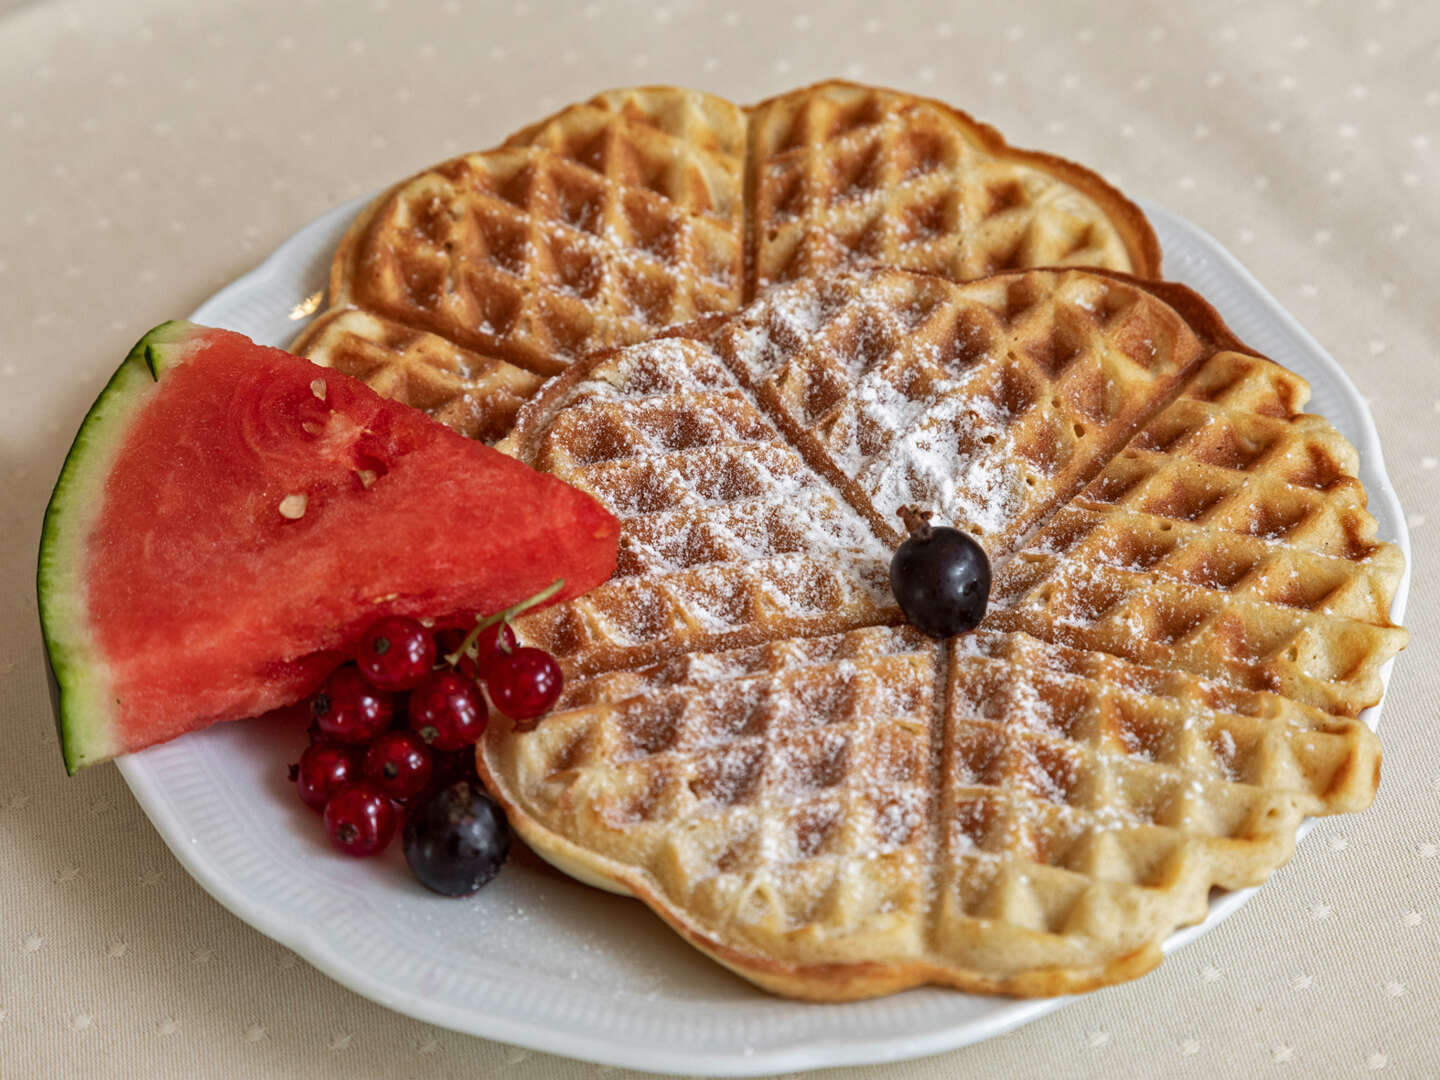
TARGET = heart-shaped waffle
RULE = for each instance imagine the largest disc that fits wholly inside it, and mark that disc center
(1190, 610)
(618, 218)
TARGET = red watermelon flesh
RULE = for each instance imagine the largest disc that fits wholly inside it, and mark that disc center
(250, 514)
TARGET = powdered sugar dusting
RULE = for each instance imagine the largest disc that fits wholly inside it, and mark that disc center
(911, 420)
(950, 452)
(797, 783)
(724, 525)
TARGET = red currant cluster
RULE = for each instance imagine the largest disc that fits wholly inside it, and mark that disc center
(400, 723)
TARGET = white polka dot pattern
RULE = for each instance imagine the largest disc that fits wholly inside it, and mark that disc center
(152, 158)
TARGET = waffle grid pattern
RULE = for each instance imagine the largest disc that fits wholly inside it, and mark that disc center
(988, 405)
(475, 394)
(727, 534)
(1230, 539)
(618, 219)
(774, 780)
(1065, 801)
(856, 175)
(623, 216)
(1089, 798)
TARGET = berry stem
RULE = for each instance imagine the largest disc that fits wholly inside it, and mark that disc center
(503, 616)
(917, 521)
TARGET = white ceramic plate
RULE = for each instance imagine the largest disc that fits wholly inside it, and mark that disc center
(536, 959)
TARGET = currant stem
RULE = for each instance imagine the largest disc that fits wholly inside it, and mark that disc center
(917, 521)
(503, 616)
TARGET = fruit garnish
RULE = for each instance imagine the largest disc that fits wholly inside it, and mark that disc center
(448, 711)
(360, 770)
(447, 647)
(501, 642)
(940, 577)
(494, 644)
(137, 536)
(395, 653)
(449, 766)
(360, 819)
(524, 684)
(348, 709)
(457, 840)
(399, 764)
(322, 770)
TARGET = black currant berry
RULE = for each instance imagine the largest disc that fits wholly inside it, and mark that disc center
(456, 841)
(940, 577)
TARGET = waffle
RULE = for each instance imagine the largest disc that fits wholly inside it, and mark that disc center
(475, 394)
(986, 404)
(1229, 539)
(845, 174)
(621, 217)
(834, 806)
(603, 225)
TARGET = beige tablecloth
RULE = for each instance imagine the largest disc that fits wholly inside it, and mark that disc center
(152, 151)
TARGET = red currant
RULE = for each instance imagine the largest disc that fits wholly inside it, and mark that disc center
(448, 711)
(395, 653)
(495, 641)
(399, 764)
(322, 769)
(493, 645)
(448, 766)
(525, 683)
(448, 642)
(360, 819)
(348, 709)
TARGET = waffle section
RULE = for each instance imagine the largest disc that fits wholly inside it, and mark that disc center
(852, 814)
(1088, 806)
(474, 394)
(727, 534)
(773, 801)
(601, 226)
(622, 216)
(841, 174)
(988, 402)
(1229, 539)
(1086, 789)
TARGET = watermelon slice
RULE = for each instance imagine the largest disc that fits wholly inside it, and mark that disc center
(231, 517)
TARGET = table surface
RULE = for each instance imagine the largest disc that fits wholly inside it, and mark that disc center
(155, 150)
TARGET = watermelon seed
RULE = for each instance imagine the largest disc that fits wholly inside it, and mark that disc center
(292, 507)
(317, 387)
(366, 477)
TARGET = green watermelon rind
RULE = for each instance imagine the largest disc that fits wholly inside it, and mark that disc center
(80, 686)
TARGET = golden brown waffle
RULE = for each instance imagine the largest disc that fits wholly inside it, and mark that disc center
(1229, 539)
(620, 217)
(730, 534)
(835, 806)
(843, 174)
(476, 395)
(603, 225)
(985, 404)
